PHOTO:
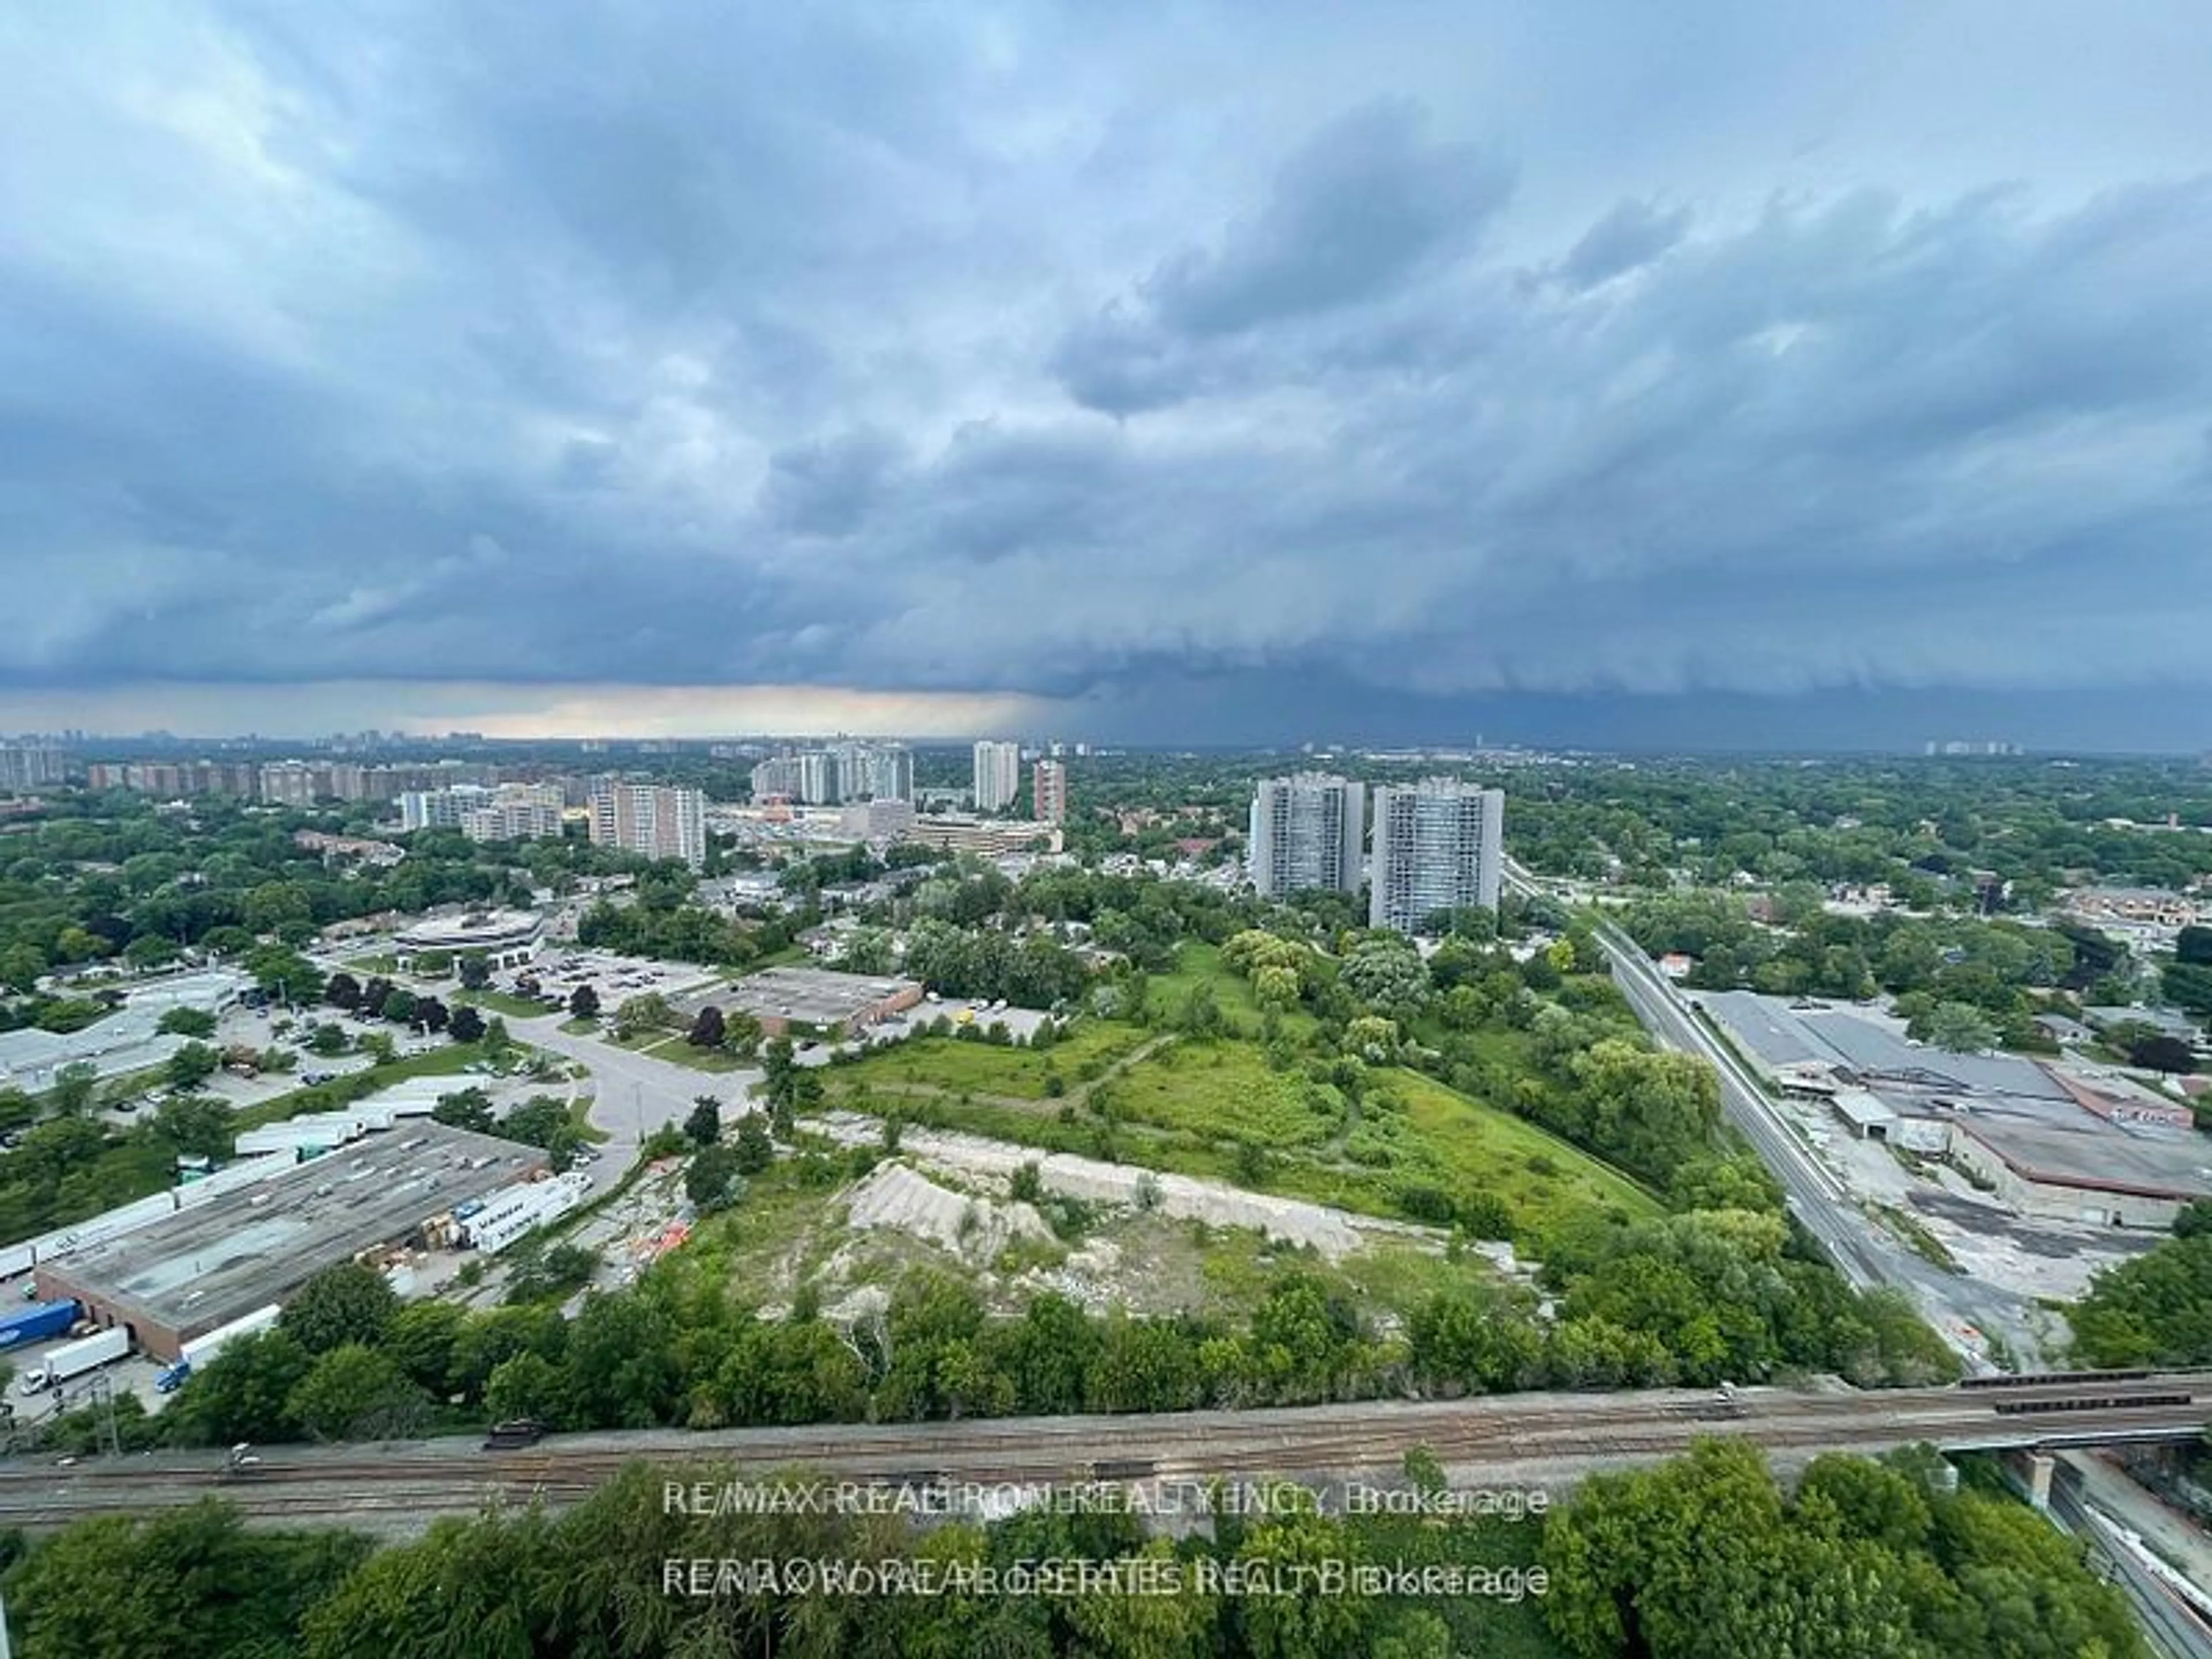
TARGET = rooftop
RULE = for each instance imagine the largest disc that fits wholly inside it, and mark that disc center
(472, 927)
(2169, 1163)
(203, 1266)
(1844, 1035)
(815, 995)
(124, 1041)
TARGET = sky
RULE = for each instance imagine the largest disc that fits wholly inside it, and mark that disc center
(1675, 376)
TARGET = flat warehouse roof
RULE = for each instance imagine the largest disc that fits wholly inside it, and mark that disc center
(816, 995)
(203, 1266)
(1783, 1035)
(2172, 1163)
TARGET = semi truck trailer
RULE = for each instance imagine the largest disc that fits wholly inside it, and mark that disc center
(37, 1323)
(201, 1349)
(76, 1359)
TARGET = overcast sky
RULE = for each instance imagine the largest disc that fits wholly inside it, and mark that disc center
(1692, 372)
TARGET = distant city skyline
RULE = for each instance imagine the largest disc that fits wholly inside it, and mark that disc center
(2115, 722)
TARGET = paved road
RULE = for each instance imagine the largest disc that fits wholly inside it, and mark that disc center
(1541, 1439)
(636, 1093)
(1863, 1252)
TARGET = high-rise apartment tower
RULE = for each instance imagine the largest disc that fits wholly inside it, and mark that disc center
(1306, 831)
(1439, 846)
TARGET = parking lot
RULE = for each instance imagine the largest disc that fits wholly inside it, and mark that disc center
(614, 979)
(134, 1375)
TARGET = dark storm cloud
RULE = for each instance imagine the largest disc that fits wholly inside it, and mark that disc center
(998, 349)
(1362, 206)
(1632, 236)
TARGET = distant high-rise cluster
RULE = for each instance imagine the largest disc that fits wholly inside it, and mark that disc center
(836, 773)
(507, 812)
(290, 782)
(998, 776)
(1962, 746)
(26, 766)
(1049, 790)
(1438, 845)
(1306, 832)
(652, 819)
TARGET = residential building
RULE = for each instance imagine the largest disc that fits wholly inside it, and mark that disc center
(438, 809)
(1306, 832)
(652, 819)
(2149, 907)
(819, 780)
(779, 775)
(998, 776)
(1439, 845)
(839, 773)
(27, 766)
(517, 811)
(882, 771)
(1049, 791)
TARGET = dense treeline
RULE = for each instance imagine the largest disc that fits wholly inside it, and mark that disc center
(1708, 1557)
(1703, 1557)
(114, 879)
(2157, 1309)
(2006, 971)
(1921, 826)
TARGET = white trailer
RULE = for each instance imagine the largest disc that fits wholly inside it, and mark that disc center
(76, 1359)
(201, 1349)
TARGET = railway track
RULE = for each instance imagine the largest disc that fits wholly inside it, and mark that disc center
(1490, 1436)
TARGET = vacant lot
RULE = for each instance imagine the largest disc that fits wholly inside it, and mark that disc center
(1217, 1110)
(959, 1066)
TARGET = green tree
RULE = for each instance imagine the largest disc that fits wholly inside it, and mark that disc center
(192, 1066)
(200, 1127)
(584, 1003)
(755, 1149)
(350, 1303)
(188, 1022)
(1960, 1028)
(188, 1581)
(353, 1392)
(707, 1030)
(466, 1108)
(465, 1025)
(76, 1086)
(704, 1126)
(527, 1384)
(710, 1181)
(242, 1393)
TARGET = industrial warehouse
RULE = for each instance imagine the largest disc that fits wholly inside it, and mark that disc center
(197, 1270)
(816, 1001)
(2051, 1139)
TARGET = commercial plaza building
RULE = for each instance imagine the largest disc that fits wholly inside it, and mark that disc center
(654, 819)
(1306, 832)
(813, 999)
(1439, 845)
(998, 776)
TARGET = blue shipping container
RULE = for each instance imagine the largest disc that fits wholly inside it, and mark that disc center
(35, 1324)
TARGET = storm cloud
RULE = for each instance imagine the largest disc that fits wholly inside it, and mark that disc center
(1012, 350)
